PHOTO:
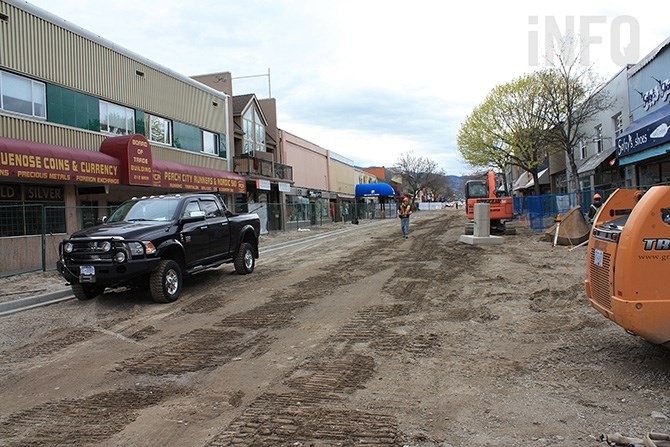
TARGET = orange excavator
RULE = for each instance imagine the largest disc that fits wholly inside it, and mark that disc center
(628, 256)
(501, 210)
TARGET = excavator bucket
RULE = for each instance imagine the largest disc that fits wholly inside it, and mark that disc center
(572, 228)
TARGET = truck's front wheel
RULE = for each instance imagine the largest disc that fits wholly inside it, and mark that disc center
(165, 282)
(84, 292)
(244, 259)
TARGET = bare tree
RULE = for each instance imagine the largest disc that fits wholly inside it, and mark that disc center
(418, 174)
(573, 94)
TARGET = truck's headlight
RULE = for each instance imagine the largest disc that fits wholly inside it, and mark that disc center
(137, 249)
(68, 247)
(106, 246)
(120, 256)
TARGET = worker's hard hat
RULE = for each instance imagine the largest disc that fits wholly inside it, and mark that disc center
(597, 196)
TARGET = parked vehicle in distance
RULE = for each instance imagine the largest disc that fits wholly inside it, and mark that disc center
(155, 241)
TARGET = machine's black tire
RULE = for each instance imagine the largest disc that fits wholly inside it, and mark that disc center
(165, 282)
(510, 230)
(244, 260)
(85, 292)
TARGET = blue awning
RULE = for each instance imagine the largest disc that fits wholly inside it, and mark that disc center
(374, 190)
(649, 131)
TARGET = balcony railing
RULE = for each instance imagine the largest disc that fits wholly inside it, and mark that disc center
(264, 168)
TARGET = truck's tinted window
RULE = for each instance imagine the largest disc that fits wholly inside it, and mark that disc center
(211, 208)
(149, 209)
(189, 208)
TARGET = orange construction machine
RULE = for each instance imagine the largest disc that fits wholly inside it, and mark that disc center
(502, 208)
(628, 255)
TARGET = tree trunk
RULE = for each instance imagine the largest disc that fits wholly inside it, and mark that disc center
(536, 183)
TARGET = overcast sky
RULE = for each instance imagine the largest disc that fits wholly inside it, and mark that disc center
(369, 79)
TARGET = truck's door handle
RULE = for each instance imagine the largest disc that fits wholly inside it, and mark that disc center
(204, 227)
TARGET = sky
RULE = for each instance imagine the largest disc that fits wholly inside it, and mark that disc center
(370, 80)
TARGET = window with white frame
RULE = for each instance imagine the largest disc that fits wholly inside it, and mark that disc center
(599, 139)
(22, 95)
(210, 143)
(254, 132)
(618, 124)
(159, 130)
(582, 149)
(116, 119)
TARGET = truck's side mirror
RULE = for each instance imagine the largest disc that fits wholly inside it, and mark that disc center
(193, 216)
(101, 220)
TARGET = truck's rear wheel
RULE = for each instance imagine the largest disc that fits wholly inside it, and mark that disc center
(85, 292)
(244, 259)
(165, 282)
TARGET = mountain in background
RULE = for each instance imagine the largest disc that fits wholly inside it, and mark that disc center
(457, 183)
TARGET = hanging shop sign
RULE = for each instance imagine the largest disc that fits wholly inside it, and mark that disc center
(11, 192)
(649, 131)
(171, 175)
(134, 152)
(263, 185)
(26, 160)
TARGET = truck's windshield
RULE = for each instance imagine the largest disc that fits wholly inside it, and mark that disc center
(159, 209)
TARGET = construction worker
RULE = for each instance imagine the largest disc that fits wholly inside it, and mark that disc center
(595, 206)
(404, 211)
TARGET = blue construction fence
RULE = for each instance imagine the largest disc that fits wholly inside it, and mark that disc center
(540, 211)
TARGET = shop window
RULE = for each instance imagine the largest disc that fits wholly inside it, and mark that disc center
(254, 132)
(22, 95)
(22, 213)
(187, 137)
(582, 149)
(89, 213)
(210, 143)
(158, 130)
(599, 139)
(70, 108)
(618, 124)
(665, 172)
(116, 119)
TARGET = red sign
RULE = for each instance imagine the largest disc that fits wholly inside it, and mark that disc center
(28, 161)
(134, 151)
(177, 176)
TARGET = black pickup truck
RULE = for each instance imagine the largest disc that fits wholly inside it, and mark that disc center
(156, 240)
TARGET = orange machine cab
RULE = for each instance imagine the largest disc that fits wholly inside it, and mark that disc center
(628, 256)
(478, 191)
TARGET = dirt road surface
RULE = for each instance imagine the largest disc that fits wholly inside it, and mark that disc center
(360, 338)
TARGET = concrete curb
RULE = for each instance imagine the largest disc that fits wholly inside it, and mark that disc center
(34, 301)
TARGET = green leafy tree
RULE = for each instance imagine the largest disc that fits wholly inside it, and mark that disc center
(508, 128)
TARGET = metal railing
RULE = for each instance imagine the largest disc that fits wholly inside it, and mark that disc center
(261, 167)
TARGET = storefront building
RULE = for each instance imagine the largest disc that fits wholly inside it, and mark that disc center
(642, 148)
(82, 133)
(308, 201)
(342, 186)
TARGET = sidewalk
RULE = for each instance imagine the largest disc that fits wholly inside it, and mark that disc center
(27, 290)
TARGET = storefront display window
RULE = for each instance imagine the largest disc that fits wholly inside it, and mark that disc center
(31, 209)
